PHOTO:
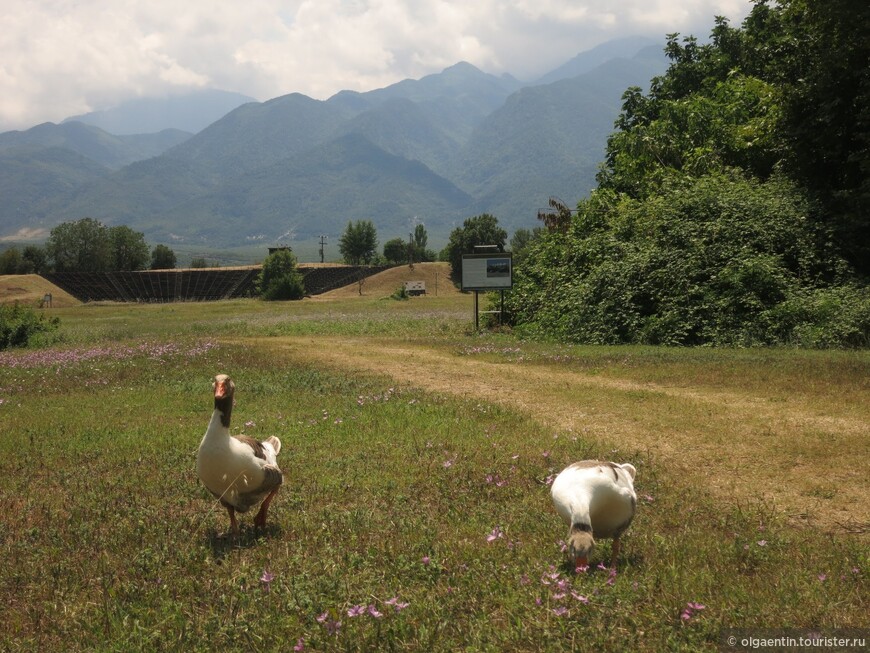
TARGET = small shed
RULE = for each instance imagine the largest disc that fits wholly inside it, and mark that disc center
(415, 288)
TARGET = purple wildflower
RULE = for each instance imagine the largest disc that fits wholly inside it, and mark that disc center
(398, 605)
(494, 535)
(356, 610)
(561, 611)
(267, 579)
(426, 560)
(373, 611)
(300, 645)
(823, 578)
(689, 611)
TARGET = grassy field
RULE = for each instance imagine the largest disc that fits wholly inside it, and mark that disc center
(415, 513)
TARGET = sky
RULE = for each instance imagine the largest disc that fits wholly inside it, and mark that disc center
(60, 58)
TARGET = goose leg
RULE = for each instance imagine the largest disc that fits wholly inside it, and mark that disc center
(614, 552)
(260, 519)
(234, 525)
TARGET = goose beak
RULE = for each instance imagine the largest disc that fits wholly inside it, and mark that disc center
(579, 561)
(220, 390)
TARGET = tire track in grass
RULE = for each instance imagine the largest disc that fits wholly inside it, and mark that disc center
(740, 447)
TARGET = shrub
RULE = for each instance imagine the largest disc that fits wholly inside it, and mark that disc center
(279, 279)
(21, 325)
(721, 260)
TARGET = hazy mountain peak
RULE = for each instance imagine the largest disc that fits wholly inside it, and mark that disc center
(623, 48)
(189, 112)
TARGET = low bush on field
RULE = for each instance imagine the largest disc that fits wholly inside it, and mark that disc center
(21, 326)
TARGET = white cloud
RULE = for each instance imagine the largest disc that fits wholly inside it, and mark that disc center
(61, 57)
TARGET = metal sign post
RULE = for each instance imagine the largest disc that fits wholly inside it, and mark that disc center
(485, 272)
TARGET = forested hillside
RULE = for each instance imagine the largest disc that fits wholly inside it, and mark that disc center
(732, 207)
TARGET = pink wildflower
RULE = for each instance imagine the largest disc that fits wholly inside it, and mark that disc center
(356, 610)
(690, 610)
(373, 611)
(398, 605)
(494, 535)
(267, 579)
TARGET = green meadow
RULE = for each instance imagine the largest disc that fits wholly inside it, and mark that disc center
(409, 520)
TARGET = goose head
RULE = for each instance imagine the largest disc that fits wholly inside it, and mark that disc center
(580, 544)
(224, 389)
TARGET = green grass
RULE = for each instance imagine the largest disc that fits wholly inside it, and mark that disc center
(110, 543)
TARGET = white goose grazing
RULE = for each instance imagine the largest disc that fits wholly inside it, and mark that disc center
(595, 499)
(239, 470)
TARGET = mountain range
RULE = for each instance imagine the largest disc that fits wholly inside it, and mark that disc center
(436, 150)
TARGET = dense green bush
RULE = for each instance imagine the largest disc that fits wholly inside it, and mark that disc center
(279, 278)
(720, 260)
(21, 325)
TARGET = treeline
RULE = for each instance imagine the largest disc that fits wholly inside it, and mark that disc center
(87, 245)
(733, 204)
(358, 245)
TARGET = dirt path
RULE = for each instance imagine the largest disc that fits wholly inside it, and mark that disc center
(743, 448)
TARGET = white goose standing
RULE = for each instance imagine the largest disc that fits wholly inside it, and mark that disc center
(597, 500)
(239, 470)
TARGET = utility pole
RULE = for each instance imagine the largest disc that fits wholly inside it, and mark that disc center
(322, 244)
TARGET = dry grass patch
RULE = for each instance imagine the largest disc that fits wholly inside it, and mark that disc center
(806, 458)
(435, 275)
(30, 289)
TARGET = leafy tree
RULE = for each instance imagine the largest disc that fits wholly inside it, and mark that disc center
(396, 251)
(421, 240)
(279, 279)
(162, 258)
(359, 243)
(11, 262)
(479, 230)
(36, 258)
(32, 260)
(198, 262)
(826, 112)
(521, 241)
(80, 246)
(129, 248)
(732, 200)
(788, 90)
